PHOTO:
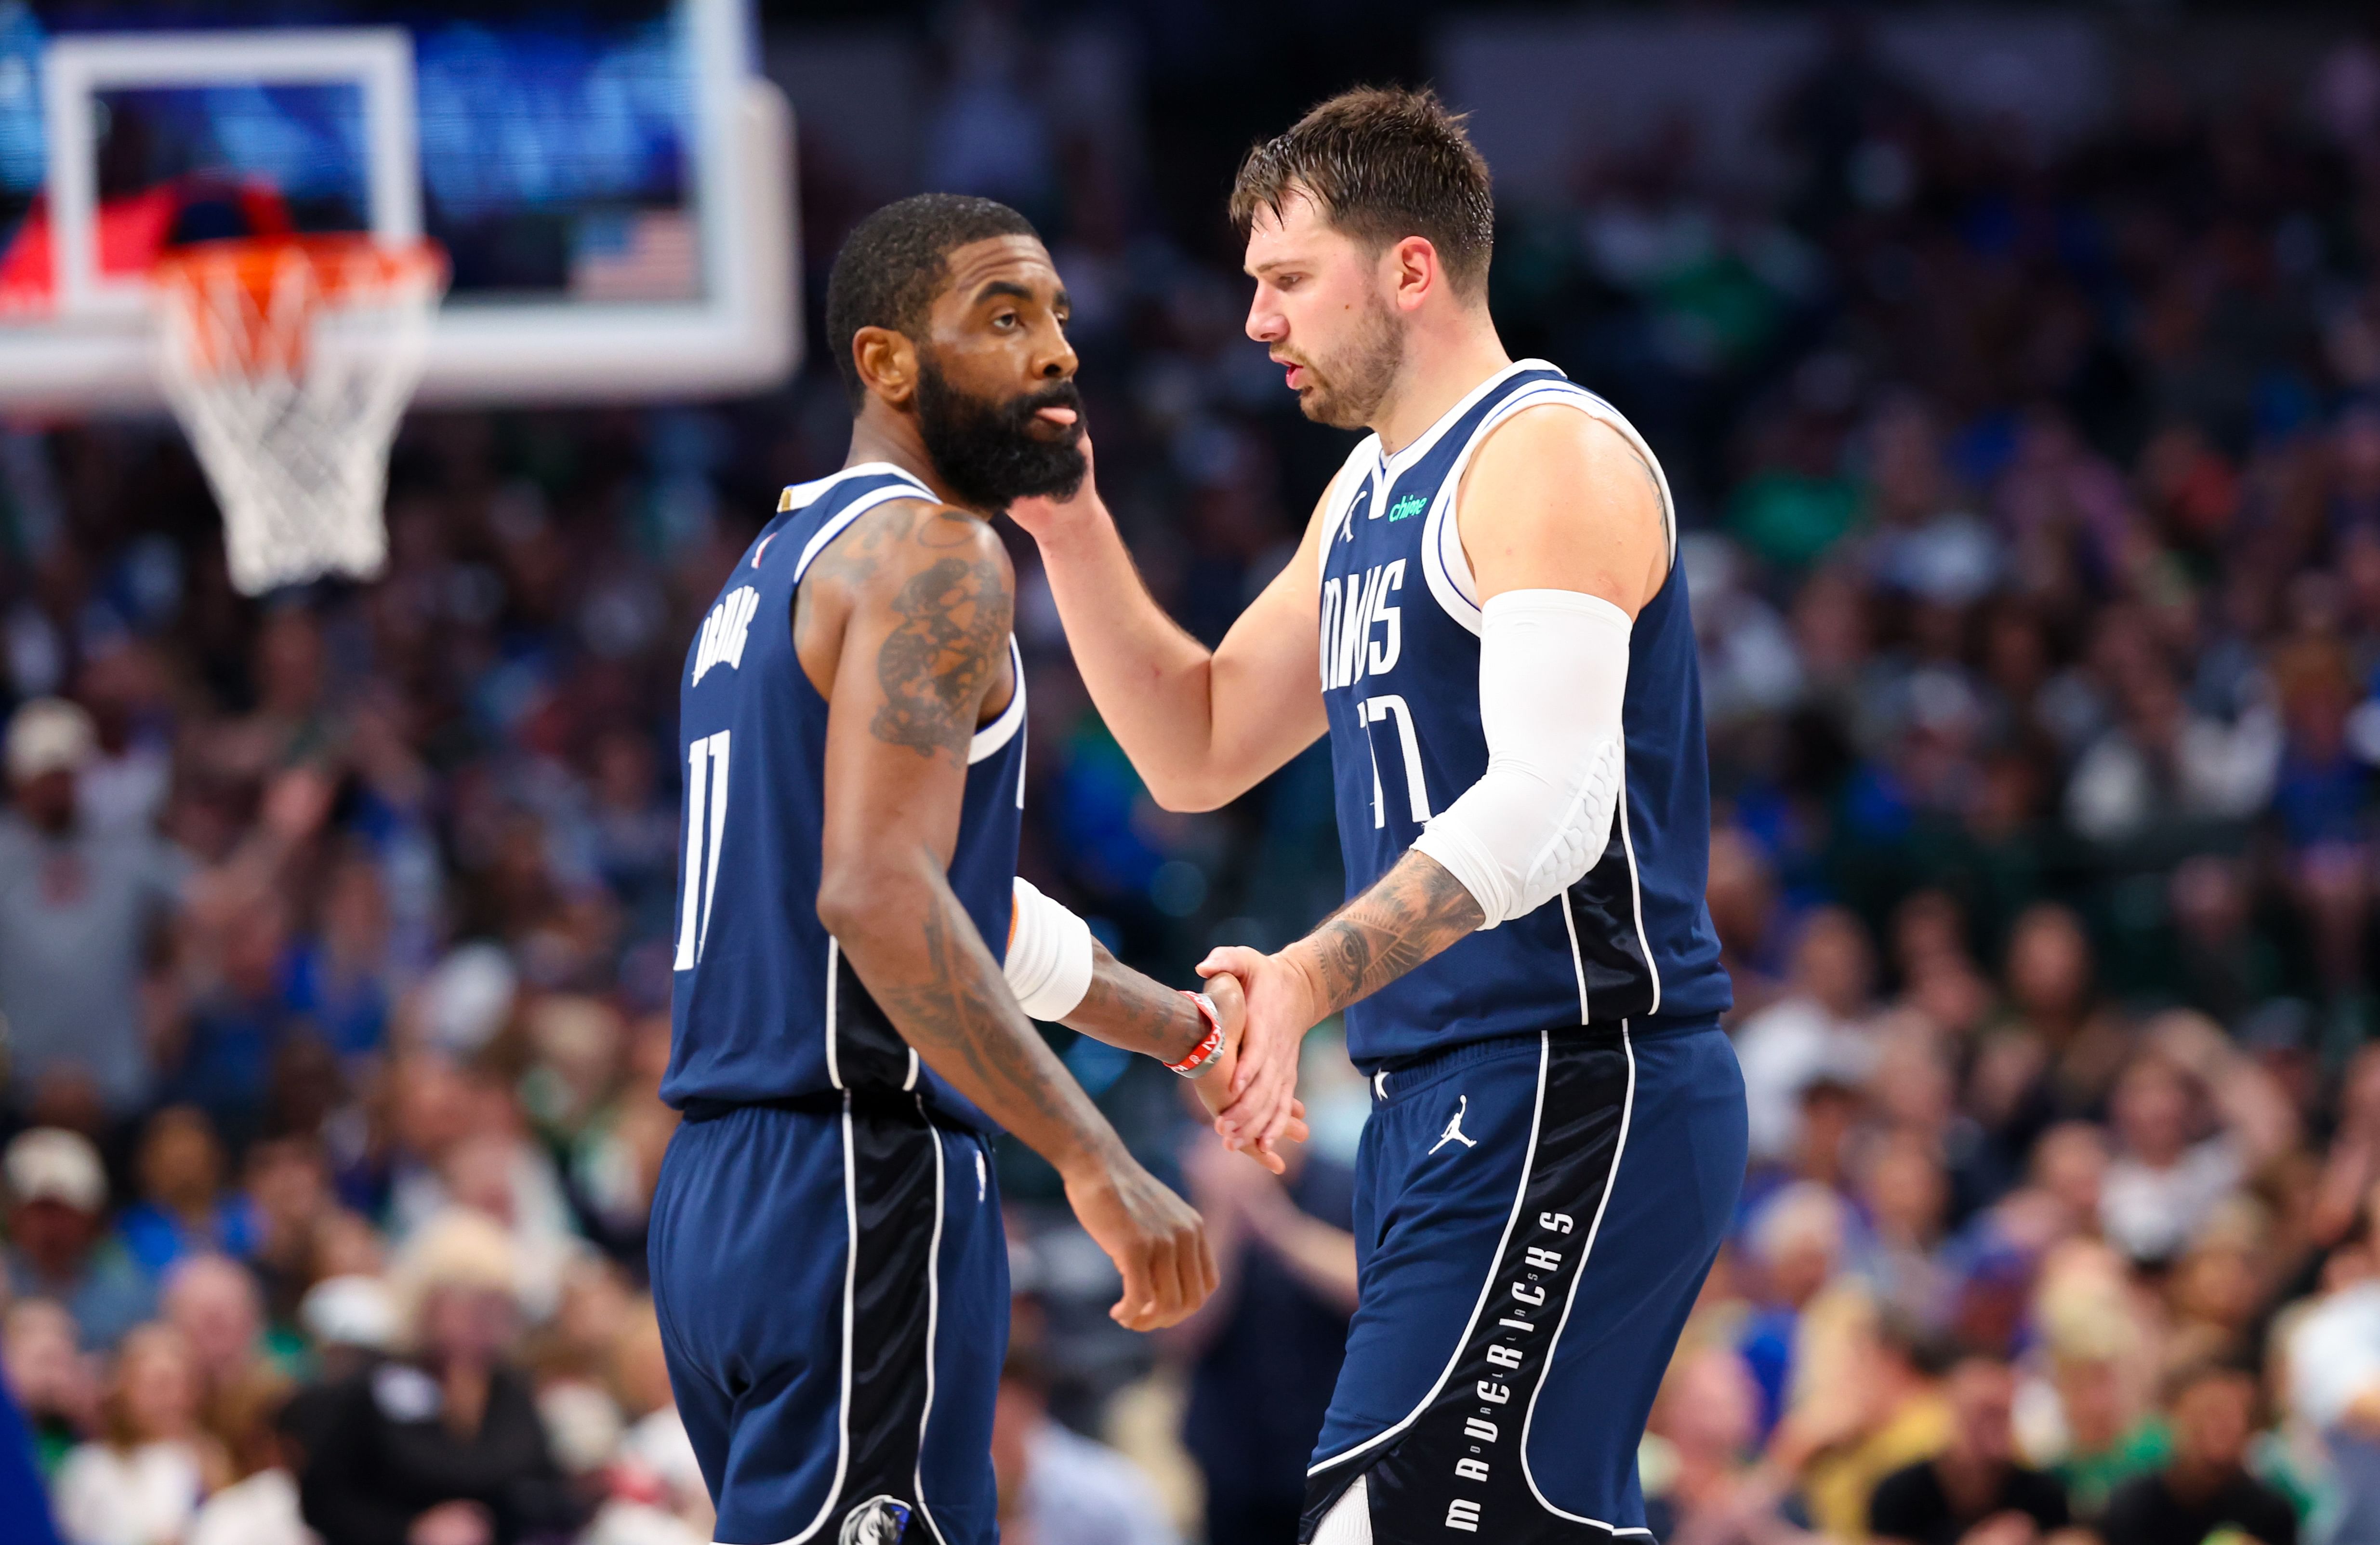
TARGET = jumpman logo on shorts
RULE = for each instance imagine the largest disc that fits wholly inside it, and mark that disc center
(1453, 1133)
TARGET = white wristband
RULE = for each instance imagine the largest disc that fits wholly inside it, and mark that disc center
(1049, 961)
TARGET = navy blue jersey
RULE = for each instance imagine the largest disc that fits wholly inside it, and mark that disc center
(764, 1007)
(1400, 663)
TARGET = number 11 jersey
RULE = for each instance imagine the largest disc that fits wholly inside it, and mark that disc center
(764, 1007)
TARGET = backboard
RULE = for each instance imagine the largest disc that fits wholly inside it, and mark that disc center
(611, 180)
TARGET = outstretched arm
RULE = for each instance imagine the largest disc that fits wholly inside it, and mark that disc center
(926, 597)
(1201, 728)
(1060, 972)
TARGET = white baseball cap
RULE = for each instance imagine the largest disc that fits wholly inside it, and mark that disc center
(49, 1164)
(49, 735)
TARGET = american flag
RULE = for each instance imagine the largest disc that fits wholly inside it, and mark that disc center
(647, 256)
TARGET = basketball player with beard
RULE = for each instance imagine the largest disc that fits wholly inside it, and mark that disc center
(1487, 620)
(855, 959)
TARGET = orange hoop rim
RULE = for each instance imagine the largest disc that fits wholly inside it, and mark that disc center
(247, 306)
(344, 264)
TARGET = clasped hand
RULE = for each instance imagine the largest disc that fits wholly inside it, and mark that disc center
(1266, 1004)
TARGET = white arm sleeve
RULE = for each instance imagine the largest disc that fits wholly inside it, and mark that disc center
(1553, 668)
(1049, 961)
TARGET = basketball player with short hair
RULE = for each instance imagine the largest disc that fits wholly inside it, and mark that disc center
(1487, 618)
(827, 1256)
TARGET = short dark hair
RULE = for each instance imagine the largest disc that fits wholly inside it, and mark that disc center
(1381, 163)
(894, 261)
(2225, 1366)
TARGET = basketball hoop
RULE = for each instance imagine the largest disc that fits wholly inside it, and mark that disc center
(290, 362)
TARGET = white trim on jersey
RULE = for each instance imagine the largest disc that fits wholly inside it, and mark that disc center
(1610, 1184)
(800, 496)
(1578, 956)
(934, 1306)
(1000, 731)
(1488, 1278)
(833, 950)
(850, 1292)
(839, 522)
(1444, 565)
(1636, 893)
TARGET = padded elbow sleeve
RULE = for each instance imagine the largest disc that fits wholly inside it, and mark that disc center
(1050, 960)
(1553, 671)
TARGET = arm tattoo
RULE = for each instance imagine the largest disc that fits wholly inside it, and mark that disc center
(955, 1015)
(1416, 910)
(941, 657)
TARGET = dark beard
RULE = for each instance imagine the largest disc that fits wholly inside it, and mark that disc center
(985, 452)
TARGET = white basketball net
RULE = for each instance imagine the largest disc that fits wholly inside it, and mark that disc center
(289, 365)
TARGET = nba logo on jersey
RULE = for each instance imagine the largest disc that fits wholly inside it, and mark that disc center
(876, 1521)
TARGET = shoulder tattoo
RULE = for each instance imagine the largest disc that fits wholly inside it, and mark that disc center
(941, 655)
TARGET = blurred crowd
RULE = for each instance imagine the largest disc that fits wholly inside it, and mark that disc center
(2031, 502)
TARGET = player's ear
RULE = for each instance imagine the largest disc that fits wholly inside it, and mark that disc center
(1412, 271)
(886, 359)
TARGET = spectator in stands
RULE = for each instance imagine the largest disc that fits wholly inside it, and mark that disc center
(1710, 1490)
(2075, 1044)
(58, 1243)
(261, 1505)
(1868, 1402)
(2166, 1179)
(336, 977)
(214, 1302)
(1817, 1027)
(80, 910)
(1058, 1487)
(1974, 1489)
(2109, 1439)
(442, 1446)
(143, 1481)
(56, 1383)
(221, 1059)
(1797, 1242)
(2205, 1487)
(182, 1206)
(290, 1203)
(1264, 1352)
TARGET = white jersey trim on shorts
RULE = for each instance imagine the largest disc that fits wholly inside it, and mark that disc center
(1553, 1348)
(934, 1305)
(850, 1289)
(1487, 1284)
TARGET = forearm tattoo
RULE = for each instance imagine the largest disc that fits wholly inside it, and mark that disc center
(954, 1013)
(1416, 910)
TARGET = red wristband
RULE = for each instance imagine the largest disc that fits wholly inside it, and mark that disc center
(1201, 1060)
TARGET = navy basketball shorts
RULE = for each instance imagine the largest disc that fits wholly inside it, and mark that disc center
(832, 1289)
(1534, 1218)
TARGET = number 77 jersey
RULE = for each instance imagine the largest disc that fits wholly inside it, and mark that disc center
(764, 1007)
(1400, 672)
